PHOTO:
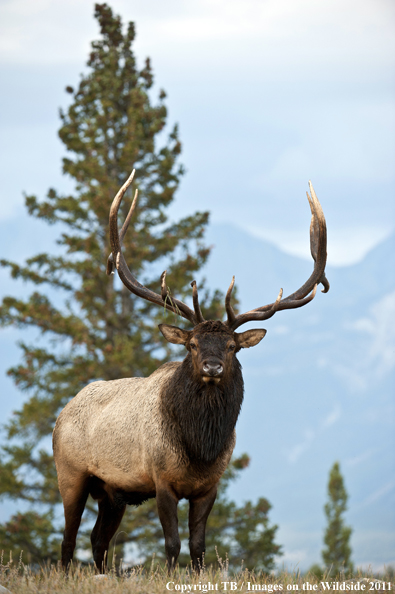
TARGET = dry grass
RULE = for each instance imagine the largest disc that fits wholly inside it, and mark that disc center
(21, 579)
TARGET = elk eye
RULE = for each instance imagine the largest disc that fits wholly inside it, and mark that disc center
(232, 347)
(193, 346)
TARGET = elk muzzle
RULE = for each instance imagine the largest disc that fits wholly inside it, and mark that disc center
(212, 370)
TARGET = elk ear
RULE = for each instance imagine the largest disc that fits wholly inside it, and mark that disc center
(250, 338)
(173, 334)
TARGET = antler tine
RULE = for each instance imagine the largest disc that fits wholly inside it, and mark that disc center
(163, 286)
(229, 309)
(196, 306)
(308, 290)
(110, 261)
(315, 232)
(298, 302)
(116, 258)
(128, 218)
(110, 265)
(116, 202)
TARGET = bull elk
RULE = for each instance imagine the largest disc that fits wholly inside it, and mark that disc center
(170, 435)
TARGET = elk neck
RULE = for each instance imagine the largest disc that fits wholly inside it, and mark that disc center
(202, 416)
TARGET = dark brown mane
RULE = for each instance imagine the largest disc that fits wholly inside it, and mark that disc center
(201, 417)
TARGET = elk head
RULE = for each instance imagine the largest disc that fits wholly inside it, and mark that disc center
(212, 346)
(211, 358)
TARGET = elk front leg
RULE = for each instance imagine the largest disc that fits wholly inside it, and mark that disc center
(167, 502)
(199, 510)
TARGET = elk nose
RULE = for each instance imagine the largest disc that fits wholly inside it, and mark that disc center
(212, 369)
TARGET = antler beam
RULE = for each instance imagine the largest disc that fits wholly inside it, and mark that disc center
(306, 293)
(117, 260)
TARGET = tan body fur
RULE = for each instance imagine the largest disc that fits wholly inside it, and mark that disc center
(115, 431)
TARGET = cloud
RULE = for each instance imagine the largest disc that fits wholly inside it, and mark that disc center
(310, 435)
(361, 458)
(40, 32)
(376, 495)
(382, 351)
(351, 375)
(296, 451)
(379, 329)
(372, 358)
(332, 417)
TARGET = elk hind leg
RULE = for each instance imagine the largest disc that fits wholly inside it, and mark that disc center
(107, 523)
(199, 510)
(74, 497)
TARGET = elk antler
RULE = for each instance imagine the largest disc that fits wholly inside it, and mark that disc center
(117, 259)
(307, 291)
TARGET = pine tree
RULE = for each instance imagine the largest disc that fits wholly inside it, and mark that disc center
(337, 553)
(89, 327)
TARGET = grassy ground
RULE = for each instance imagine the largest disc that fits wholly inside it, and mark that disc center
(20, 579)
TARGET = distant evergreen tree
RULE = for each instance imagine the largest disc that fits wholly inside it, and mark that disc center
(337, 552)
(89, 326)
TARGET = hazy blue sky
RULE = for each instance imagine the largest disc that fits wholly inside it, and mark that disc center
(268, 94)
